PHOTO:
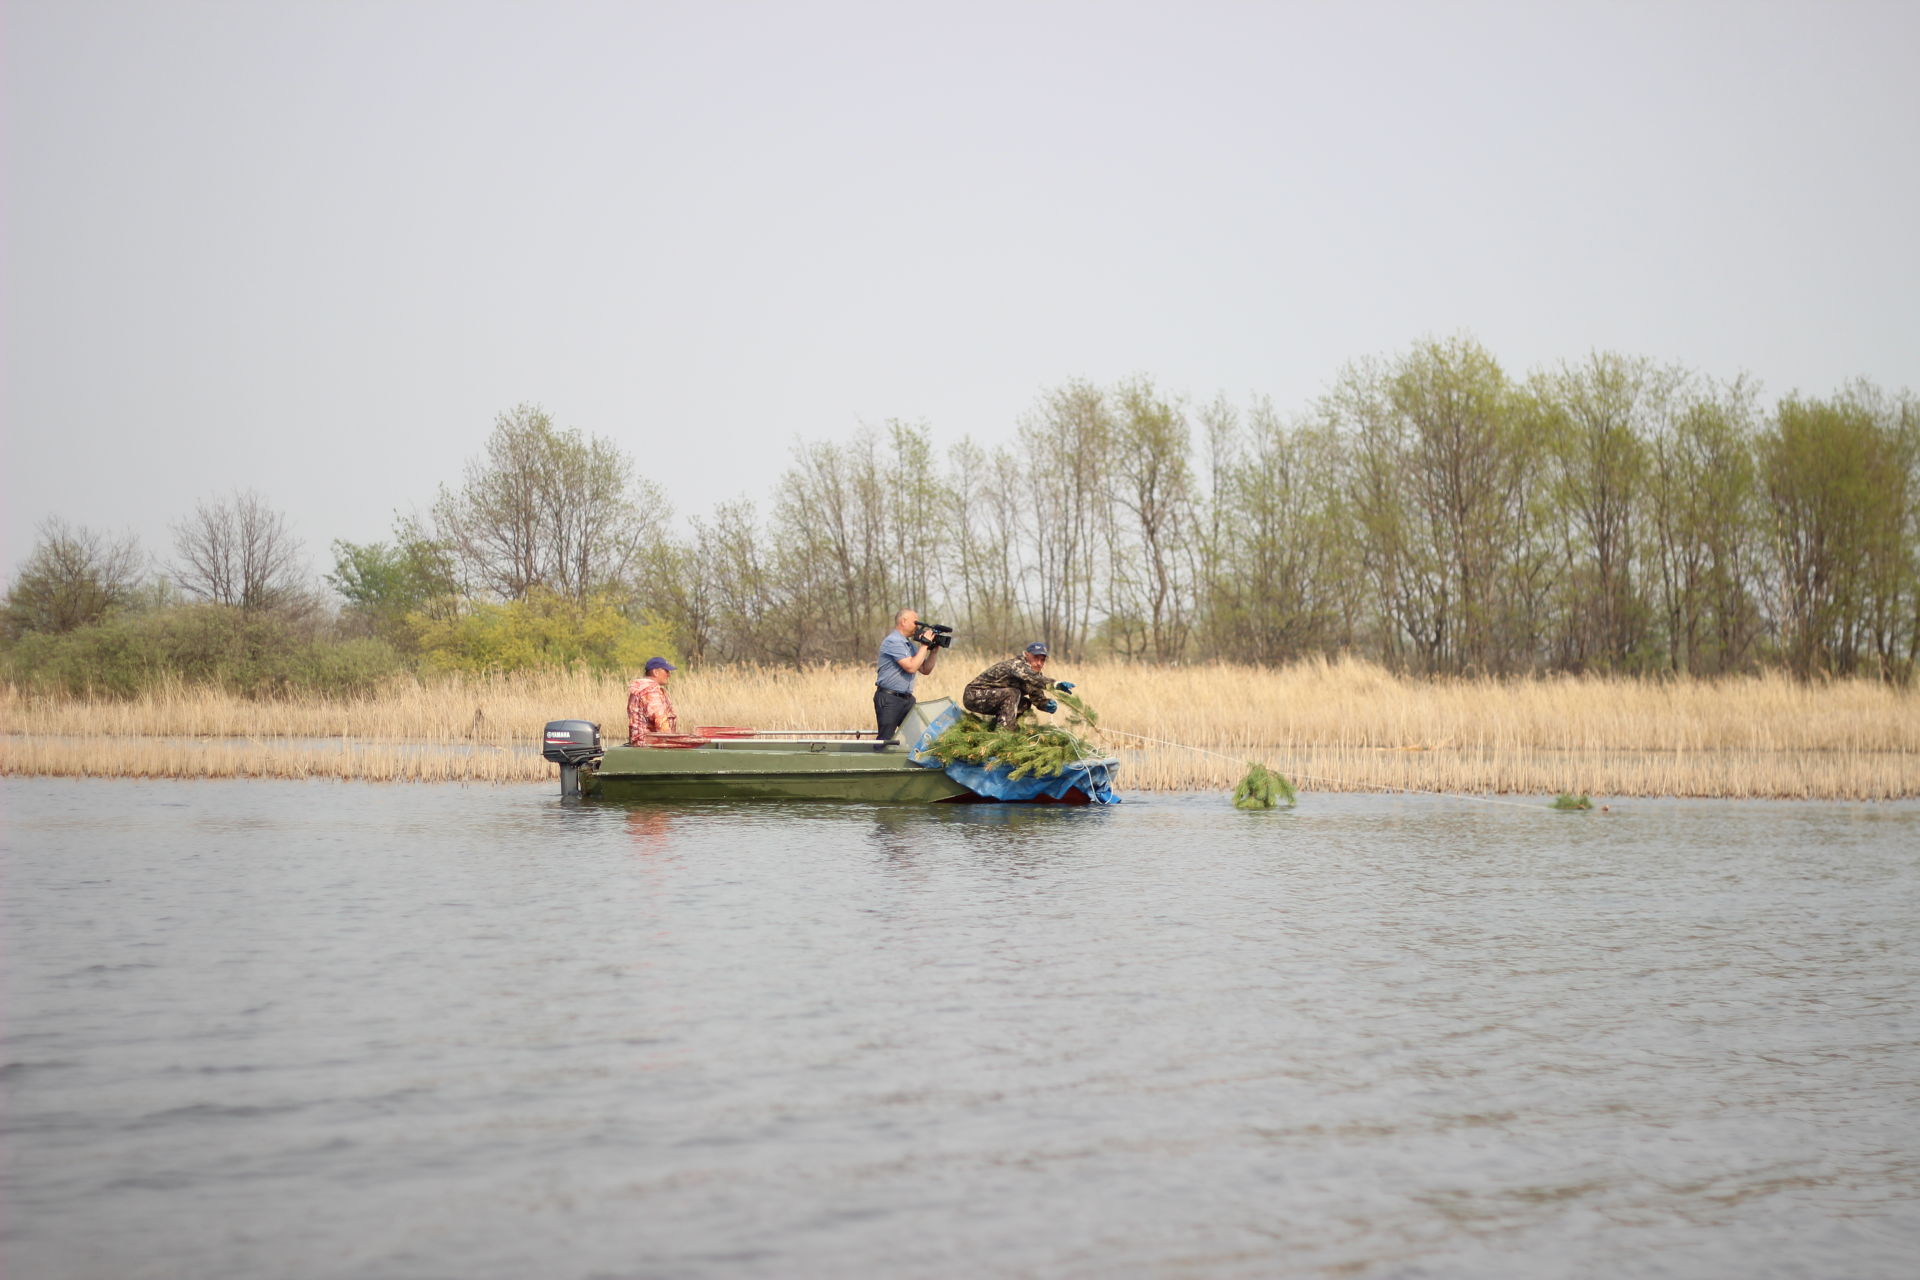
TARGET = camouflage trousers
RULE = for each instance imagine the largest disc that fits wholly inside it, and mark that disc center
(1002, 703)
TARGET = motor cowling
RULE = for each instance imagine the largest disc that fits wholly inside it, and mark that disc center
(571, 742)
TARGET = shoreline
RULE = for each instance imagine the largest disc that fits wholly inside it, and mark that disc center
(1340, 725)
(1802, 774)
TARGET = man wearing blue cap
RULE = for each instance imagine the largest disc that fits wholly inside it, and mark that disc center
(649, 709)
(1007, 688)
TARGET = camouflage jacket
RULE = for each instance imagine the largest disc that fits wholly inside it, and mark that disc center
(649, 710)
(1013, 673)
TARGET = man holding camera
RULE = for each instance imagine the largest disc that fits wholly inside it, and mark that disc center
(909, 650)
(1007, 688)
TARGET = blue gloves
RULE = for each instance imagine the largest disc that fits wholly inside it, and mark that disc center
(1049, 706)
(1064, 684)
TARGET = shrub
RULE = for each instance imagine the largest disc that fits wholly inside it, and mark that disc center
(253, 654)
(542, 631)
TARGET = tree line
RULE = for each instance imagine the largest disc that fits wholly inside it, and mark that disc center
(1431, 511)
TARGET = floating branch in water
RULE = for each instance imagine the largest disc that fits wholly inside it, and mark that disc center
(1569, 801)
(1262, 788)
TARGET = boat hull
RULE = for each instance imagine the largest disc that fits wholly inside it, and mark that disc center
(861, 774)
(748, 764)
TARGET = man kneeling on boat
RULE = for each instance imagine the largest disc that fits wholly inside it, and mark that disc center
(649, 709)
(1006, 689)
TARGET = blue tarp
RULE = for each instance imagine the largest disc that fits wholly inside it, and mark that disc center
(1094, 777)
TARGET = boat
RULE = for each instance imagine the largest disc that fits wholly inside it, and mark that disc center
(732, 763)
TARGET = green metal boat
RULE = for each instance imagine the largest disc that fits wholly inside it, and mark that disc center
(750, 764)
(756, 769)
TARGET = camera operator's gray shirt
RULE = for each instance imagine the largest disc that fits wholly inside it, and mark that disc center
(890, 674)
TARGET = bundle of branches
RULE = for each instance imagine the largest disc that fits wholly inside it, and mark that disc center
(1571, 800)
(1262, 788)
(1042, 750)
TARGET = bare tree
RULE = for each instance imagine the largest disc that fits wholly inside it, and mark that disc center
(238, 551)
(1152, 490)
(858, 526)
(73, 578)
(552, 509)
(987, 497)
(916, 498)
(1066, 448)
(759, 611)
(1278, 581)
(830, 521)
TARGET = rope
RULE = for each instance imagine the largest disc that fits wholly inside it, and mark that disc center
(1334, 782)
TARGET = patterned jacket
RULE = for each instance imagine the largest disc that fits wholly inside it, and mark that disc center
(649, 710)
(1013, 673)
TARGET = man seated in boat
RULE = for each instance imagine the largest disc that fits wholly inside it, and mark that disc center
(1006, 689)
(649, 709)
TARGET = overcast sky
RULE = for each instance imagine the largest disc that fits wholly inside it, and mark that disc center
(314, 247)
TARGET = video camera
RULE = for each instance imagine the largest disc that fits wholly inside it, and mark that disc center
(933, 635)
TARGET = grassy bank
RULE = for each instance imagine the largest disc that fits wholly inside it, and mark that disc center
(1332, 726)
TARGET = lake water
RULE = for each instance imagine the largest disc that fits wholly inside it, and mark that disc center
(337, 1030)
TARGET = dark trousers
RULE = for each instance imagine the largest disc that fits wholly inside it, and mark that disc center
(889, 709)
(1002, 704)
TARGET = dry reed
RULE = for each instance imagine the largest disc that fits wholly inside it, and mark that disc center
(1329, 725)
(106, 757)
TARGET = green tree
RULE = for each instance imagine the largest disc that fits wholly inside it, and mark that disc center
(384, 583)
(1599, 416)
(1444, 491)
(1836, 479)
(1702, 510)
(73, 578)
(1892, 578)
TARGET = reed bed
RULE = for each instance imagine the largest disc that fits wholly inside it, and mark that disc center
(1329, 725)
(1726, 775)
(108, 757)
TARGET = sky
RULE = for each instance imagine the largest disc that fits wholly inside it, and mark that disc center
(313, 248)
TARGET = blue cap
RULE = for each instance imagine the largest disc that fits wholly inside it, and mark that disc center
(660, 664)
(1038, 649)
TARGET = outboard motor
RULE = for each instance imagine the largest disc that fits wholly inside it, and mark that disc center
(573, 745)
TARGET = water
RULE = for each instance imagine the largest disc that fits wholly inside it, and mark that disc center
(339, 1030)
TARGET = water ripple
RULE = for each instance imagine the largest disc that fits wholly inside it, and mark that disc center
(322, 1030)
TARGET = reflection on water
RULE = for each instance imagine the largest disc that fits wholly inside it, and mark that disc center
(325, 1030)
(899, 829)
(650, 828)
